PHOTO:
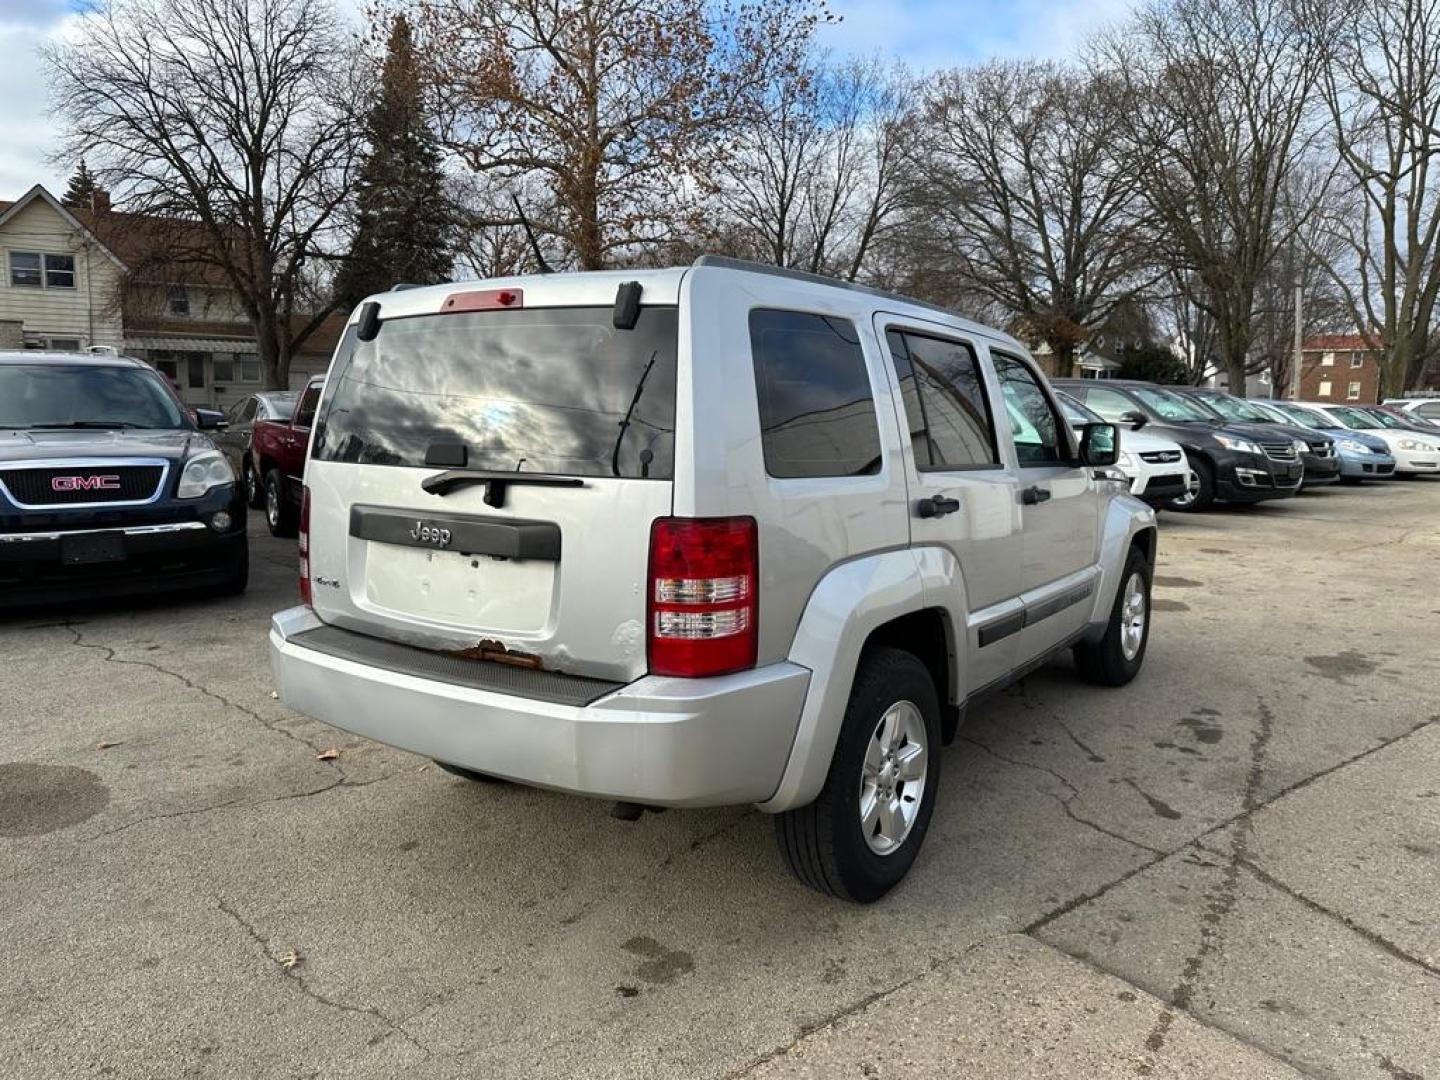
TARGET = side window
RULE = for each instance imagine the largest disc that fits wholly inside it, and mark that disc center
(944, 400)
(305, 414)
(817, 414)
(1109, 403)
(1038, 434)
(244, 412)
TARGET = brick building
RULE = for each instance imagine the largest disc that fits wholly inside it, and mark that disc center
(1340, 367)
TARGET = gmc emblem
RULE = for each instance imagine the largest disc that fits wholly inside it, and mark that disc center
(85, 483)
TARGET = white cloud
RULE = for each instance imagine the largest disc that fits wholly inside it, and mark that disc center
(28, 132)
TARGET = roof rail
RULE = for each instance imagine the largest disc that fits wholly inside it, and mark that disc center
(727, 263)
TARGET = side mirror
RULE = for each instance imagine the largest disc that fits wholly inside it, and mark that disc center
(210, 420)
(1135, 418)
(1099, 445)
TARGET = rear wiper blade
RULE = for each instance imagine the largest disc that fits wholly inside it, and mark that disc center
(88, 424)
(496, 482)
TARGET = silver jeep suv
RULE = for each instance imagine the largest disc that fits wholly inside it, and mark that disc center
(710, 535)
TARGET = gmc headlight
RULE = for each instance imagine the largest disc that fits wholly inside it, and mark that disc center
(1354, 447)
(1240, 446)
(204, 472)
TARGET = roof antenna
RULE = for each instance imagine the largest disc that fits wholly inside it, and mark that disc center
(534, 244)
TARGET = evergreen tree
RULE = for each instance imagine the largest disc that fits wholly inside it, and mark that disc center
(80, 188)
(404, 222)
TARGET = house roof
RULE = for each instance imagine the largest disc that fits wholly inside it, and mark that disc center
(1332, 342)
(164, 333)
(74, 217)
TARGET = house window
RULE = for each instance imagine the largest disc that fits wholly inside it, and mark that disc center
(25, 269)
(59, 271)
(1327, 359)
(1357, 359)
(1352, 392)
(63, 344)
(1324, 387)
(178, 299)
(32, 270)
(235, 369)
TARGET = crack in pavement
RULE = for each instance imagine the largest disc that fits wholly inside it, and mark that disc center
(111, 656)
(293, 977)
(1379, 941)
(1076, 902)
(857, 1006)
(1065, 803)
(1220, 899)
(242, 804)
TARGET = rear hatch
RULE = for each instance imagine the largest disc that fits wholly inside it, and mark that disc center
(546, 436)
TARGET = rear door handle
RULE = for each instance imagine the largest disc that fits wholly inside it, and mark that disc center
(1034, 495)
(936, 507)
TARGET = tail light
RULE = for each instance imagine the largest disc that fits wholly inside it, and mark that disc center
(306, 597)
(702, 596)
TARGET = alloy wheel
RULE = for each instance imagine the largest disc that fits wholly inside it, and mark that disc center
(892, 779)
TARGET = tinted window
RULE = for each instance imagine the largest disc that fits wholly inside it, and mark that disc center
(305, 414)
(1110, 404)
(1171, 406)
(1035, 429)
(61, 395)
(944, 401)
(817, 415)
(555, 390)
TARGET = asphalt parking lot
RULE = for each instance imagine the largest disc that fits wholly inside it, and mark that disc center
(1229, 868)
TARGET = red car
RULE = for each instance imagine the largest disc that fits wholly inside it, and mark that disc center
(278, 448)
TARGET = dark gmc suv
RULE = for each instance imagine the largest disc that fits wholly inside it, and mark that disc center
(108, 487)
(1241, 463)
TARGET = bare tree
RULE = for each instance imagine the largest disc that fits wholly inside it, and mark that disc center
(1382, 87)
(617, 109)
(1014, 171)
(814, 180)
(1221, 119)
(231, 121)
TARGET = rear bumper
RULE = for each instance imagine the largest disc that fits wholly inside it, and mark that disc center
(658, 741)
(41, 566)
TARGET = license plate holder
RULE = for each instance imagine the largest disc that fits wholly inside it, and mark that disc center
(103, 547)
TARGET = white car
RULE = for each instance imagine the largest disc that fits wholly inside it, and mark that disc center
(1414, 453)
(1421, 408)
(1156, 467)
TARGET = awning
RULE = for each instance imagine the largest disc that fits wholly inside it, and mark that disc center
(195, 344)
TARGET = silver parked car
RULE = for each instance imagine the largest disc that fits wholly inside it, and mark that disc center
(718, 534)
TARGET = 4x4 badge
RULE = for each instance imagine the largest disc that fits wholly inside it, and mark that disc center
(430, 534)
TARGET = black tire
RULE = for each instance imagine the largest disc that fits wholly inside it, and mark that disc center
(239, 576)
(1105, 662)
(470, 774)
(824, 843)
(1204, 497)
(280, 516)
(254, 492)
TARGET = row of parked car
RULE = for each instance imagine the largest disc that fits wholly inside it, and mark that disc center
(709, 535)
(1190, 447)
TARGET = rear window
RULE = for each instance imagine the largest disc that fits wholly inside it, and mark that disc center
(817, 414)
(553, 390)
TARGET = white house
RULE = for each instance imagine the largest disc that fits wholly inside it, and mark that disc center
(80, 277)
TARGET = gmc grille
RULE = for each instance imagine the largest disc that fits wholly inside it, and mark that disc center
(79, 484)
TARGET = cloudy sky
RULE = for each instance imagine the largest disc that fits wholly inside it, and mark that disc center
(928, 34)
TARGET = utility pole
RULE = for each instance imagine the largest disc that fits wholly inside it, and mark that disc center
(1299, 337)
